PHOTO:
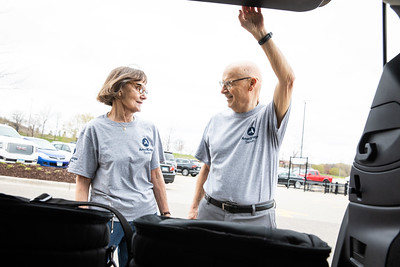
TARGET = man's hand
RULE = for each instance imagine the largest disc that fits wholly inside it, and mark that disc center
(253, 21)
(193, 213)
(198, 192)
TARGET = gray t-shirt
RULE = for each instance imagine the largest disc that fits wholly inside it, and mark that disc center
(242, 150)
(119, 157)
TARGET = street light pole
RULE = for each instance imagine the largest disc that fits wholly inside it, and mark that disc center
(302, 133)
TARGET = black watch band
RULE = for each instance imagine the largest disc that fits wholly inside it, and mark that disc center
(265, 38)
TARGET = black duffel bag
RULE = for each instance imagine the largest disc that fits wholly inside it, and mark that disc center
(56, 232)
(181, 242)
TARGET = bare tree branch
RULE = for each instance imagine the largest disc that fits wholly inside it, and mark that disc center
(18, 118)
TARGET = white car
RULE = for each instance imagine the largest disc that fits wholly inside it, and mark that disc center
(15, 149)
(69, 148)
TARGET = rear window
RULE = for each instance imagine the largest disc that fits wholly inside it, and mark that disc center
(169, 156)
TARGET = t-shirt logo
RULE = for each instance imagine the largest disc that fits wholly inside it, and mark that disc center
(145, 142)
(251, 131)
(250, 138)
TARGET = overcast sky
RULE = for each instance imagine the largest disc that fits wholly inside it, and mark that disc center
(59, 53)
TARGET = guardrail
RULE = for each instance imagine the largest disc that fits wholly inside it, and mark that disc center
(335, 188)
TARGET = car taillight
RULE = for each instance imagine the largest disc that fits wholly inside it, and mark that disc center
(171, 168)
(194, 166)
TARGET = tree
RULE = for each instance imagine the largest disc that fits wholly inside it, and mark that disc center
(344, 169)
(76, 124)
(56, 131)
(168, 140)
(18, 118)
(179, 145)
(319, 167)
(44, 116)
(33, 124)
(334, 171)
(338, 169)
(295, 152)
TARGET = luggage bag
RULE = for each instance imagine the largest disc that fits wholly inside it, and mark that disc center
(56, 232)
(183, 242)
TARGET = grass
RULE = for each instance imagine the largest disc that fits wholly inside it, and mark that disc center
(183, 156)
(335, 176)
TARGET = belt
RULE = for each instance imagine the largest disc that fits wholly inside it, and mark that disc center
(233, 208)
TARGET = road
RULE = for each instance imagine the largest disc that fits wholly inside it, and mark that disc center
(307, 212)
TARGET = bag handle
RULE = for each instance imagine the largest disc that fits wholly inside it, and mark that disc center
(48, 199)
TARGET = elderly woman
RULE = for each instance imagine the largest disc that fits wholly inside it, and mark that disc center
(118, 155)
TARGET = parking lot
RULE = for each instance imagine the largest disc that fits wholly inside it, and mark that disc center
(310, 212)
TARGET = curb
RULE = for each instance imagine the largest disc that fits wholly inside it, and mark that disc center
(17, 180)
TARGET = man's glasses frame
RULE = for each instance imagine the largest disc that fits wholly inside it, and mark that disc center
(228, 84)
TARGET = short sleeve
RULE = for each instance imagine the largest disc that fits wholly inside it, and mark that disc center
(158, 153)
(85, 159)
(203, 150)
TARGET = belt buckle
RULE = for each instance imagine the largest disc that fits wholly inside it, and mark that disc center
(223, 205)
(226, 206)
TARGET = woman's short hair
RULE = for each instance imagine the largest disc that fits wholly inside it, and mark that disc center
(116, 80)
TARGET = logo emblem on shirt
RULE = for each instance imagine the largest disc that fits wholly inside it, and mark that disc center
(251, 137)
(147, 148)
(145, 142)
(251, 131)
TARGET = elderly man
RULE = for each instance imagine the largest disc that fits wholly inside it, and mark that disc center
(240, 147)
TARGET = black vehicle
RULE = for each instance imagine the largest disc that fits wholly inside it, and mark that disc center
(188, 166)
(293, 180)
(168, 171)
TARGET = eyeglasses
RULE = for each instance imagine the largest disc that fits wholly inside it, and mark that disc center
(228, 84)
(141, 88)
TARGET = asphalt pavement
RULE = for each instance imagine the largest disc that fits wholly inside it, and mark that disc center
(312, 212)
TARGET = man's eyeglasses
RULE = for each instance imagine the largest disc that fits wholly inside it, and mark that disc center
(141, 88)
(228, 84)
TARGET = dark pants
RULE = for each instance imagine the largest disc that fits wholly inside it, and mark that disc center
(117, 238)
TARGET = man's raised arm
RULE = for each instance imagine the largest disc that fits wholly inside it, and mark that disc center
(252, 20)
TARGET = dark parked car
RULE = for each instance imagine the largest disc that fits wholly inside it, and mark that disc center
(188, 166)
(168, 171)
(294, 180)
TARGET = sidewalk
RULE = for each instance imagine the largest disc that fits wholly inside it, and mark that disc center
(31, 188)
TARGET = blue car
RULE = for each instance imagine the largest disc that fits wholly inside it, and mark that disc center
(48, 155)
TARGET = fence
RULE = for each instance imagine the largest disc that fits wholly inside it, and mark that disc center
(335, 188)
